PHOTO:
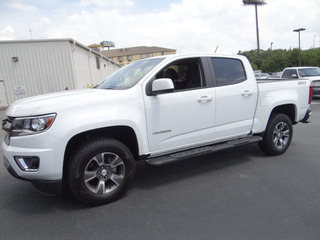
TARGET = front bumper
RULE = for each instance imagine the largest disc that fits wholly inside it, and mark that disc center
(51, 187)
(47, 175)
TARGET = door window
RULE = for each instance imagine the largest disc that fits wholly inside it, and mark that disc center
(228, 71)
(289, 73)
(185, 74)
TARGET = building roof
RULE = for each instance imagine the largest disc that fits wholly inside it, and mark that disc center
(134, 51)
(72, 41)
(94, 45)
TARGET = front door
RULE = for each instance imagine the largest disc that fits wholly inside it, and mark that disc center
(184, 117)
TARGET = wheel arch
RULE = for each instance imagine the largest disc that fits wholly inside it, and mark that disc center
(124, 134)
(287, 109)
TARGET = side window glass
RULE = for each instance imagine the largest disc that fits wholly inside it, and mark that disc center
(289, 73)
(185, 74)
(286, 74)
(228, 71)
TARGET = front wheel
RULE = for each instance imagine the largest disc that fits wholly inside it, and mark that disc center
(278, 135)
(100, 171)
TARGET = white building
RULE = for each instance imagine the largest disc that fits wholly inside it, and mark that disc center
(33, 67)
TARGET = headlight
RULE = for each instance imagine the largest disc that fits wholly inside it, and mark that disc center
(31, 125)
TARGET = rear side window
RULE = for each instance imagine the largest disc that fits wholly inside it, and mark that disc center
(289, 72)
(228, 71)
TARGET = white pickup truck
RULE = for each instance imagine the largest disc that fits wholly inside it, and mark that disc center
(156, 110)
(304, 73)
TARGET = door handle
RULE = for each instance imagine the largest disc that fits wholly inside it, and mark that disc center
(203, 99)
(246, 93)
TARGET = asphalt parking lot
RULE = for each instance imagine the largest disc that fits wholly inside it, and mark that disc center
(235, 194)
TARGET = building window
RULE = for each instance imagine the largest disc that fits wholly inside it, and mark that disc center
(120, 59)
(149, 55)
(98, 62)
(164, 53)
(143, 56)
(129, 58)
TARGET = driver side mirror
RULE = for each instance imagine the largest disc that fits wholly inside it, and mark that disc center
(162, 85)
(294, 75)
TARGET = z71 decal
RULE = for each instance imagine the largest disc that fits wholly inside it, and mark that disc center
(302, 83)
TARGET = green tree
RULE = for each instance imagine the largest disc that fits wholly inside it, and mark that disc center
(276, 60)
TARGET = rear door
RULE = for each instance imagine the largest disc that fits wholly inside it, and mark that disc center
(236, 98)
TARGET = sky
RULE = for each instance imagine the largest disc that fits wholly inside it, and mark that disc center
(224, 26)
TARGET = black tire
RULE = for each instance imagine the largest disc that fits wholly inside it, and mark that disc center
(278, 135)
(100, 171)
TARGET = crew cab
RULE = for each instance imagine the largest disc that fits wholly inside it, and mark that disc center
(157, 110)
(310, 73)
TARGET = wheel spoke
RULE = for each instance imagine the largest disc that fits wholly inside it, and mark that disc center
(281, 143)
(116, 162)
(286, 133)
(101, 188)
(283, 126)
(89, 175)
(117, 179)
(98, 159)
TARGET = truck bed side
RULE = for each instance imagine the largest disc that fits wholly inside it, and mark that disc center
(288, 96)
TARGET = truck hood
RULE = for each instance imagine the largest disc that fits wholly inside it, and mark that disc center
(55, 102)
(315, 78)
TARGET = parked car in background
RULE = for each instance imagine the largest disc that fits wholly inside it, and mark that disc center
(276, 75)
(262, 75)
(308, 73)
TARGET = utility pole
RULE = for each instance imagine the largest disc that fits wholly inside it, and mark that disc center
(257, 28)
(255, 3)
(298, 31)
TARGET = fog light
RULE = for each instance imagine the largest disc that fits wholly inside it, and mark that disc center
(28, 164)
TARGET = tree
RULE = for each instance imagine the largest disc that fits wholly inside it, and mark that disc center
(279, 59)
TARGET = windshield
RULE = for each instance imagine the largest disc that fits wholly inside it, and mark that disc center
(129, 75)
(309, 72)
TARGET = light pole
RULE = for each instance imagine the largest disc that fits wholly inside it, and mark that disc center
(314, 36)
(271, 48)
(255, 3)
(298, 31)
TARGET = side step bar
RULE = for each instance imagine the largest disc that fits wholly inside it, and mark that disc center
(201, 151)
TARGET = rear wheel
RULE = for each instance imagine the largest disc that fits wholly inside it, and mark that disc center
(278, 135)
(100, 171)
